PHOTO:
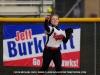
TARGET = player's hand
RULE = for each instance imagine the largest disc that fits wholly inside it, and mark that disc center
(47, 18)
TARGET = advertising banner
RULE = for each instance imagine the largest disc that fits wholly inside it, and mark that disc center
(23, 45)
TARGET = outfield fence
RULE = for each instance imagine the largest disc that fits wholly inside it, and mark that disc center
(89, 45)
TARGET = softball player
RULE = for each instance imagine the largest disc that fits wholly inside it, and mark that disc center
(54, 38)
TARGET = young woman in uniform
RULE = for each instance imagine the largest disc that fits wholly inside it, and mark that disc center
(54, 38)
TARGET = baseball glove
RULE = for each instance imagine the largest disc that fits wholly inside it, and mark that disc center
(68, 32)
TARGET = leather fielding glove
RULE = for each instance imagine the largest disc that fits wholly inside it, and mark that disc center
(68, 32)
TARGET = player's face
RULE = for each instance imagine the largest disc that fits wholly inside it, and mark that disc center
(54, 20)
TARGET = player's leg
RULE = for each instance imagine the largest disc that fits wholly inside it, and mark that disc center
(47, 56)
(57, 61)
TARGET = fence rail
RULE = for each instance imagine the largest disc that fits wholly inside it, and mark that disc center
(64, 20)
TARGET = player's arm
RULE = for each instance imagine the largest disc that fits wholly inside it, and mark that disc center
(65, 39)
(47, 18)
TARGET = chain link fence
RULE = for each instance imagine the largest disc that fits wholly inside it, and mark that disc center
(98, 47)
(87, 51)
